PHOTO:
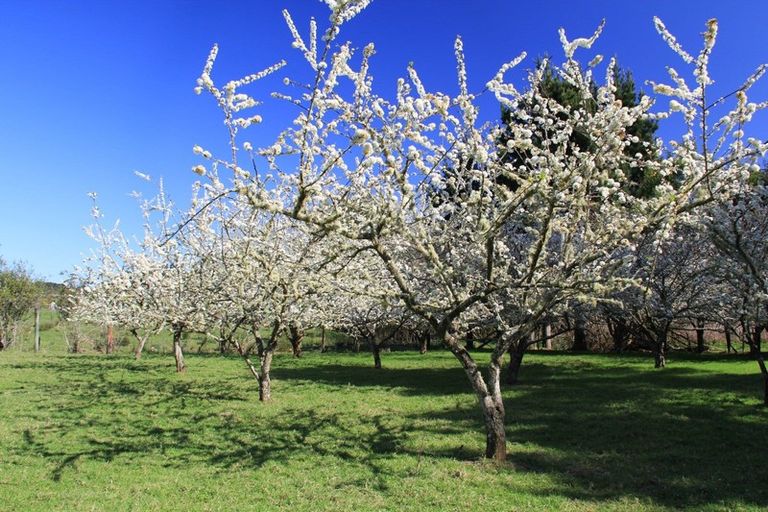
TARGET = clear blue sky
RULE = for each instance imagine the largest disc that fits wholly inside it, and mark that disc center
(91, 91)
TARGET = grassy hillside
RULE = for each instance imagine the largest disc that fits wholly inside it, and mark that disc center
(587, 432)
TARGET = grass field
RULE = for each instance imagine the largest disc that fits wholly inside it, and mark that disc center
(586, 432)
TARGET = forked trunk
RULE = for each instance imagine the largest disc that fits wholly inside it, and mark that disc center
(265, 384)
(141, 341)
(489, 397)
(178, 354)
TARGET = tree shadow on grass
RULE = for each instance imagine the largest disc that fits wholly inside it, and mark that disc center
(678, 436)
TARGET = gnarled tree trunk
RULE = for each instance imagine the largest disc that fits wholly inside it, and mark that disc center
(488, 395)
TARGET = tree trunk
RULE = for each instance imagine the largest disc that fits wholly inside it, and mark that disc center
(660, 352)
(177, 352)
(37, 328)
(322, 340)
(247, 359)
(110, 339)
(757, 341)
(489, 397)
(728, 345)
(580, 333)
(516, 354)
(376, 349)
(140, 342)
(470, 342)
(265, 384)
(296, 335)
(700, 335)
(546, 333)
(619, 334)
(764, 373)
(424, 342)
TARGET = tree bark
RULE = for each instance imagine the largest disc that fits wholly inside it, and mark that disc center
(322, 339)
(178, 354)
(545, 333)
(728, 345)
(660, 352)
(110, 339)
(424, 342)
(247, 360)
(619, 334)
(489, 397)
(516, 354)
(141, 341)
(470, 342)
(265, 383)
(700, 335)
(376, 349)
(296, 335)
(756, 346)
(580, 333)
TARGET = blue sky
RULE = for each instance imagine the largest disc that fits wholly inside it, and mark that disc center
(91, 91)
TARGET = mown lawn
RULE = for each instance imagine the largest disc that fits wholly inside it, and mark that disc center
(586, 432)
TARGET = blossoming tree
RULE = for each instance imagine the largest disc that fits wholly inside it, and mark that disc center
(512, 242)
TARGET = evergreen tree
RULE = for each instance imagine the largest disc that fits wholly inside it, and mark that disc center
(641, 180)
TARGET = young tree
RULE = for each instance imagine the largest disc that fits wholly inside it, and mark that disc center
(677, 283)
(18, 293)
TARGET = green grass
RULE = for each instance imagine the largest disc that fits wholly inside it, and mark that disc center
(53, 332)
(586, 432)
